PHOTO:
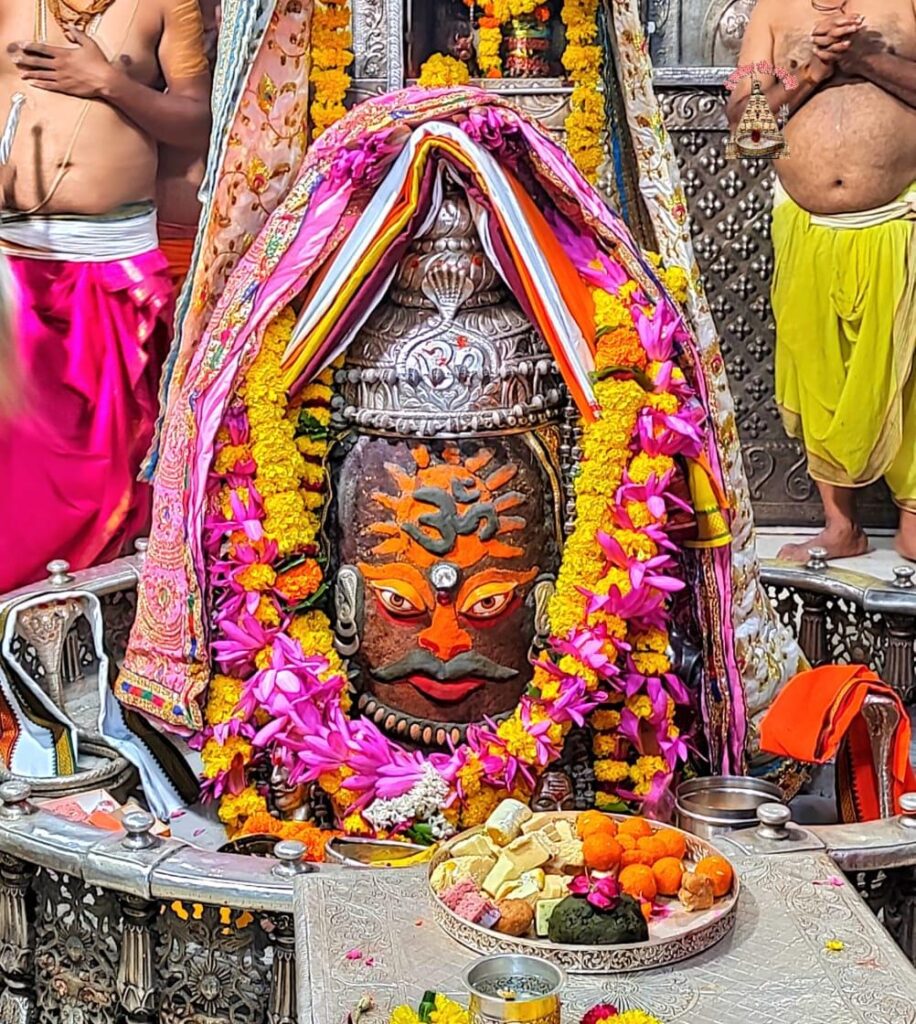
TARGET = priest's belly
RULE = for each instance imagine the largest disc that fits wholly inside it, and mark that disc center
(112, 161)
(852, 147)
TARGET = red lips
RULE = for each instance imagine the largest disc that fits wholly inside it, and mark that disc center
(447, 693)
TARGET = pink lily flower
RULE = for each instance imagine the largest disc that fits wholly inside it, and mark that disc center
(657, 332)
(291, 677)
(670, 434)
(590, 645)
(231, 781)
(240, 644)
(629, 728)
(499, 770)
(674, 750)
(657, 499)
(236, 422)
(539, 732)
(247, 515)
(676, 688)
(234, 727)
(576, 703)
(593, 265)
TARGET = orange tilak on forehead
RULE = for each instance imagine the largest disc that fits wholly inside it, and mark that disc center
(452, 509)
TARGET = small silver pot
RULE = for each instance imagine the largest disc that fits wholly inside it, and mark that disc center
(513, 989)
(722, 803)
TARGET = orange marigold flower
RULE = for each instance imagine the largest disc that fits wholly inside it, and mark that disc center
(300, 582)
(620, 347)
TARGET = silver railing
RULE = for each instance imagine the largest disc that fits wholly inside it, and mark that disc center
(848, 617)
(97, 928)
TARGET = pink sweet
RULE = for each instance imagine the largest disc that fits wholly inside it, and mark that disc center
(473, 907)
(453, 895)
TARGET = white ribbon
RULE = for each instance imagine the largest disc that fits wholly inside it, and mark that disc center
(12, 124)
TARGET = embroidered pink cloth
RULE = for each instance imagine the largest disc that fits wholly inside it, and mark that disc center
(92, 338)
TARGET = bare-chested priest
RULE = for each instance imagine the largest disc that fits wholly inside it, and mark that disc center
(92, 87)
(844, 233)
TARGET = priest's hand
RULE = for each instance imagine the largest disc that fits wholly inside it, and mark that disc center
(79, 70)
(833, 36)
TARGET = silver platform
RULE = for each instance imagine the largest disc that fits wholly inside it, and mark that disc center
(775, 968)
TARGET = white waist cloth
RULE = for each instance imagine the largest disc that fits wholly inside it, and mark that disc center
(903, 208)
(80, 239)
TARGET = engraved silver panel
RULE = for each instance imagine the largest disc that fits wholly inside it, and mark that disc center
(697, 32)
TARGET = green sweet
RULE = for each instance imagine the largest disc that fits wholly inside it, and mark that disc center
(575, 922)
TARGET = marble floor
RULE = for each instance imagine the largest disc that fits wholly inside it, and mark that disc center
(880, 562)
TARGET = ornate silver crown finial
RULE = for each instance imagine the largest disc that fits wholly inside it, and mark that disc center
(448, 352)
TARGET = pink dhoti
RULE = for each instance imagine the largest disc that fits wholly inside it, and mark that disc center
(92, 337)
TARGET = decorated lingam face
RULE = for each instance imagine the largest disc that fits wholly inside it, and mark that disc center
(289, 800)
(447, 490)
(455, 546)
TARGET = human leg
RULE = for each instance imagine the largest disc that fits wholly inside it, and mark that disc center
(842, 536)
(843, 357)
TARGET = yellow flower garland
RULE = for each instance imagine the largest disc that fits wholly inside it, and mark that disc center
(331, 55)
(440, 71)
(582, 58)
(292, 523)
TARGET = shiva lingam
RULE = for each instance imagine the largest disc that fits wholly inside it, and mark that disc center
(446, 514)
(528, 48)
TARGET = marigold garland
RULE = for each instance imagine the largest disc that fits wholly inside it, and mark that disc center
(608, 653)
(268, 451)
(282, 691)
(331, 55)
(440, 71)
(585, 124)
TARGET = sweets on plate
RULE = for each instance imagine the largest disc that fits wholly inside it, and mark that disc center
(506, 821)
(586, 880)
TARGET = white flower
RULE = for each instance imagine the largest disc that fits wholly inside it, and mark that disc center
(420, 803)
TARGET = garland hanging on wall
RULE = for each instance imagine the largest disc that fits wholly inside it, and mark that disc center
(582, 58)
(332, 41)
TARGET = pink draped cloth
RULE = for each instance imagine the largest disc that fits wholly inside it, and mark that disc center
(92, 338)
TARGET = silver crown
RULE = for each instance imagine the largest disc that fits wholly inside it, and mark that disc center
(448, 352)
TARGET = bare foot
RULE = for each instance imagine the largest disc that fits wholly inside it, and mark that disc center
(839, 541)
(905, 541)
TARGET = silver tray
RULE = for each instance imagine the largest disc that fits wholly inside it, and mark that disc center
(677, 937)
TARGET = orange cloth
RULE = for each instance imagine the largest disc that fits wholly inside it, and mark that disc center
(183, 52)
(177, 243)
(821, 707)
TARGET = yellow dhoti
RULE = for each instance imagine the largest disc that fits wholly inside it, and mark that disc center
(844, 296)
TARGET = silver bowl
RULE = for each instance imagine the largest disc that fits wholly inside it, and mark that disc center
(722, 803)
(514, 989)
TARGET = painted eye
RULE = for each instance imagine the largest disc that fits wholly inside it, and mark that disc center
(397, 603)
(489, 606)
